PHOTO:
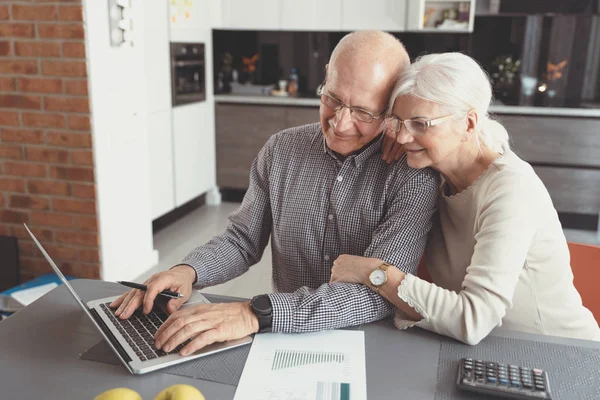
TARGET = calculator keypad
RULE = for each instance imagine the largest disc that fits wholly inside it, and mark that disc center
(507, 380)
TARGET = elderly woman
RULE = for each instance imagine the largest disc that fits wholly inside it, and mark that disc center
(497, 254)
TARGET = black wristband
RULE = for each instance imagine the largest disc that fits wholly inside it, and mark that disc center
(261, 306)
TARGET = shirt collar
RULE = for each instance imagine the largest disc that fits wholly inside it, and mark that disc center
(361, 155)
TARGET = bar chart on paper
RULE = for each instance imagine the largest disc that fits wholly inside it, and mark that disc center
(327, 365)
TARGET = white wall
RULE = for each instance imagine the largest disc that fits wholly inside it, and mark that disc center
(120, 146)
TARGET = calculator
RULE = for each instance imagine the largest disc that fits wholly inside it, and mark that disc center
(509, 381)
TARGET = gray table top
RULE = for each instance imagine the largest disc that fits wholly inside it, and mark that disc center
(40, 345)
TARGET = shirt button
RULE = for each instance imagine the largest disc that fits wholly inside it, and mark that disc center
(330, 217)
(339, 178)
(326, 257)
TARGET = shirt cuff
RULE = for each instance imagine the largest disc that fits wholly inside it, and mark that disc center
(198, 267)
(283, 305)
(401, 320)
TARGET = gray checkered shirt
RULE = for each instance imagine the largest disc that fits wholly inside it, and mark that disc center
(314, 208)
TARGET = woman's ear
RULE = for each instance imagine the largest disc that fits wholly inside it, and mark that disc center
(471, 122)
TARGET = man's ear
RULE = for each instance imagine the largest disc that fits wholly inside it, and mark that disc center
(326, 69)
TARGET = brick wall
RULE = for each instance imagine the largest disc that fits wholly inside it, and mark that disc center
(46, 163)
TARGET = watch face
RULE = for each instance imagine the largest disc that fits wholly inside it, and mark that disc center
(262, 304)
(378, 277)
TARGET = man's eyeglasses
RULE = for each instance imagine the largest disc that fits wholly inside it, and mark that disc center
(335, 104)
(417, 127)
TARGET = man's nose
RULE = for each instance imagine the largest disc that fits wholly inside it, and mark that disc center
(343, 118)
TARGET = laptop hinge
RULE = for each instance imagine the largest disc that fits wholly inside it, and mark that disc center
(110, 335)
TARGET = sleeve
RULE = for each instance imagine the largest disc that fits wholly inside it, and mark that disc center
(242, 244)
(505, 231)
(400, 240)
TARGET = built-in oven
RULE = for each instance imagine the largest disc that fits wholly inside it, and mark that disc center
(188, 73)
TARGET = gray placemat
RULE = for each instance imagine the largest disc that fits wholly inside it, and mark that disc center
(224, 367)
(573, 372)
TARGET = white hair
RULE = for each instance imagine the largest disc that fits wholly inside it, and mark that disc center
(458, 84)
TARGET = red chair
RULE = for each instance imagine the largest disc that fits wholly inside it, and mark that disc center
(585, 263)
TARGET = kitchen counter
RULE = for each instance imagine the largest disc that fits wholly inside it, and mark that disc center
(495, 109)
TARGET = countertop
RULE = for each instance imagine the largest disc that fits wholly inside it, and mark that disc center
(495, 109)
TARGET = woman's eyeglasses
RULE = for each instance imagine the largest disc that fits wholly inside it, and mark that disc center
(417, 127)
(335, 104)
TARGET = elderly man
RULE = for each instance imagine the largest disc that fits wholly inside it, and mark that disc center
(318, 191)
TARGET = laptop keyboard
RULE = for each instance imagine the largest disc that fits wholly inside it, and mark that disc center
(139, 331)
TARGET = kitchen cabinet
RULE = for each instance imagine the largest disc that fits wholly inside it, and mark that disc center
(252, 14)
(311, 15)
(162, 175)
(387, 15)
(422, 15)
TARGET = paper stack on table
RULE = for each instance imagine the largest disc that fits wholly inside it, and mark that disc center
(28, 296)
(328, 365)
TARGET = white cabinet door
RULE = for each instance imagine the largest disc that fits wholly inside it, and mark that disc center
(252, 14)
(194, 142)
(162, 181)
(312, 15)
(156, 56)
(387, 15)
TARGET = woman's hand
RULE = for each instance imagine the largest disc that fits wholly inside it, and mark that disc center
(353, 269)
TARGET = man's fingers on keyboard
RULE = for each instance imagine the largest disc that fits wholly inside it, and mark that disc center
(118, 301)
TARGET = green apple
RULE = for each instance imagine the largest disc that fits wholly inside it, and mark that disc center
(119, 394)
(180, 392)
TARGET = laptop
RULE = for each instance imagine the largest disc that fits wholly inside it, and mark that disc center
(132, 340)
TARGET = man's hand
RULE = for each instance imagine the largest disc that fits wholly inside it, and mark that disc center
(206, 324)
(353, 269)
(179, 279)
(391, 150)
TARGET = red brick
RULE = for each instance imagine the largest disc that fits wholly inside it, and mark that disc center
(81, 270)
(44, 120)
(62, 253)
(72, 173)
(20, 101)
(37, 49)
(4, 14)
(83, 191)
(77, 238)
(34, 13)
(82, 157)
(12, 185)
(12, 152)
(29, 202)
(14, 217)
(70, 139)
(79, 123)
(22, 136)
(9, 118)
(77, 87)
(24, 169)
(74, 206)
(36, 265)
(67, 104)
(49, 155)
(43, 235)
(1, 201)
(71, 13)
(86, 224)
(5, 49)
(26, 276)
(40, 85)
(63, 68)
(52, 219)
(7, 84)
(61, 31)
(18, 66)
(48, 187)
(73, 50)
(16, 30)
(26, 249)
(89, 255)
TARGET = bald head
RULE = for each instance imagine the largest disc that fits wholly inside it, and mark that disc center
(379, 50)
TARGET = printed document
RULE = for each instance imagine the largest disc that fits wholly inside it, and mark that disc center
(328, 365)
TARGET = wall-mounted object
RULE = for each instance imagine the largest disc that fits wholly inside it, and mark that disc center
(188, 73)
(441, 16)
(120, 23)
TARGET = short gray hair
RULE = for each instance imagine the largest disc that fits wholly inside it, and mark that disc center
(458, 84)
